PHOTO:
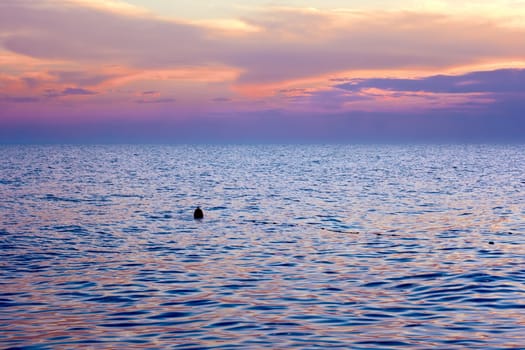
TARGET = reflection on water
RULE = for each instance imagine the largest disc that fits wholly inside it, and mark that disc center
(301, 246)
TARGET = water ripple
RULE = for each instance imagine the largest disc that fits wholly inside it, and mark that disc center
(301, 247)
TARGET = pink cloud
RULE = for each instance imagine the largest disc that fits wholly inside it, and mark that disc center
(288, 45)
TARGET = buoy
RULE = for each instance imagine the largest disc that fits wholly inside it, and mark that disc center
(198, 214)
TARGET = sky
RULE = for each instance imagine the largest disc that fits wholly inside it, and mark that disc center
(181, 71)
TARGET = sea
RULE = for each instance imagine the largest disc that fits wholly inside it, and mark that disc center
(300, 247)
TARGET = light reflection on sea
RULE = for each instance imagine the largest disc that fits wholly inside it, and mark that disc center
(301, 246)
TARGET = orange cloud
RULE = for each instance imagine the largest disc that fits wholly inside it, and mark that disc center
(275, 46)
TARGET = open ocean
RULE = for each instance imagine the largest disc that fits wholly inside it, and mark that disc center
(337, 246)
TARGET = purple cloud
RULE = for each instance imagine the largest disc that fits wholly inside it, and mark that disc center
(21, 99)
(159, 100)
(52, 93)
(31, 82)
(221, 99)
(497, 81)
(76, 91)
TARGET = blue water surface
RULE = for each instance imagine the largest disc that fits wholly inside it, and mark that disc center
(337, 246)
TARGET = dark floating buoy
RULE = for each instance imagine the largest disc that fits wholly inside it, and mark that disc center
(198, 214)
(490, 242)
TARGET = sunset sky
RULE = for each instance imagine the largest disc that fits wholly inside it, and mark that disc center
(262, 71)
